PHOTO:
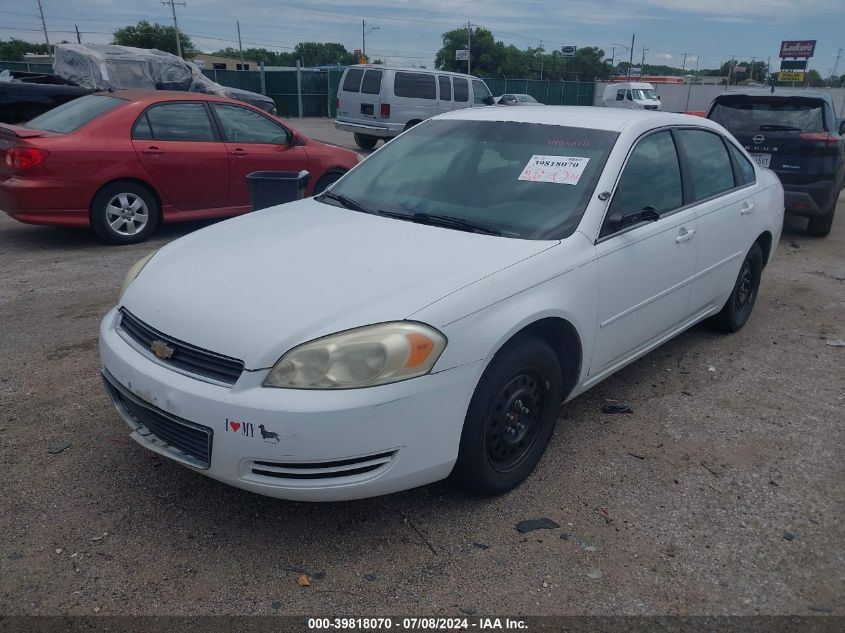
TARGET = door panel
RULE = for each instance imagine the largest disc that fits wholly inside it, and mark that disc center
(178, 148)
(255, 143)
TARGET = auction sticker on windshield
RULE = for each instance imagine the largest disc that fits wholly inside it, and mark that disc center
(561, 170)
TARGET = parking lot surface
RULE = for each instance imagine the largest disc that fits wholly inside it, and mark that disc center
(722, 493)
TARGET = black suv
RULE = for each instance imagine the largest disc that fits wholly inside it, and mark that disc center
(794, 134)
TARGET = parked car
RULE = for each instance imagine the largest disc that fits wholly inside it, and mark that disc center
(795, 134)
(122, 162)
(26, 95)
(631, 95)
(517, 100)
(430, 311)
(380, 102)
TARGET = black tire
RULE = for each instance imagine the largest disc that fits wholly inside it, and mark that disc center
(410, 124)
(327, 179)
(739, 305)
(365, 142)
(108, 205)
(820, 226)
(511, 417)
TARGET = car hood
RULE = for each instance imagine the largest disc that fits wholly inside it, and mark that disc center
(255, 286)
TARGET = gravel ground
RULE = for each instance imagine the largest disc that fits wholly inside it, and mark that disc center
(721, 494)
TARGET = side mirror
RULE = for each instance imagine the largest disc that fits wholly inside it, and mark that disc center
(296, 139)
(842, 127)
(489, 100)
(621, 220)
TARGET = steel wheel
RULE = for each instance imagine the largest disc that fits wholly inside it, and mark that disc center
(745, 287)
(127, 214)
(514, 420)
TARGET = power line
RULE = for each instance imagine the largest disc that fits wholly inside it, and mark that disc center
(173, 4)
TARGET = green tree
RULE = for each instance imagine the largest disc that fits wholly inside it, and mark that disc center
(814, 79)
(487, 55)
(146, 35)
(13, 50)
(323, 54)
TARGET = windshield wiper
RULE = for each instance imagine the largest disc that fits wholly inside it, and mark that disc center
(779, 128)
(449, 222)
(347, 202)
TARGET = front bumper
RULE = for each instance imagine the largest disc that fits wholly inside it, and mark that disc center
(314, 445)
(385, 130)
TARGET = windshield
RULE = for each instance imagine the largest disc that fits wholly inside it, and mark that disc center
(524, 180)
(754, 114)
(74, 114)
(646, 94)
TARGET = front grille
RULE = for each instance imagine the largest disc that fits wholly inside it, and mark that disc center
(182, 436)
(185, 356)
(323, 470)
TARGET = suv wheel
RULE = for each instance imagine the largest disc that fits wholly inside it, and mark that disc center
(365, 142)
(820, 226)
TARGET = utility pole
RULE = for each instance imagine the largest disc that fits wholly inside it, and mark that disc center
(541, 60)
(752, 68)
(684, 65)
(44, 24)
(642, 63)
(835, 67)
(469, 47)
(78, 39)
(364, 32)
(240, 45)
(172, 5)
(612, 59)
(631, 58)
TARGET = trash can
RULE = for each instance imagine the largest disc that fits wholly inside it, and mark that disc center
(269, 188)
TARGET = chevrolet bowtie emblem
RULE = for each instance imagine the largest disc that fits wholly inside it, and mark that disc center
(161, 349)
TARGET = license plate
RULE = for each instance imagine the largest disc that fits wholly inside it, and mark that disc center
(763, 160)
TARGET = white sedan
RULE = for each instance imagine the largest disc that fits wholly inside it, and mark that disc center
(427, 316)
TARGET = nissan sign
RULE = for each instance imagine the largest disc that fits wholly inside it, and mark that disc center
(568, 51)
(797, 48)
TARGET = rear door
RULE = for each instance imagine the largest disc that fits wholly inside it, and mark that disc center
(254, 142)
(789, 134)
(359, 95)
(183, 155)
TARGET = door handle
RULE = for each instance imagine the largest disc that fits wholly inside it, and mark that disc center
(685, 235)
(747, 207)
(152, 150)
(238, 152)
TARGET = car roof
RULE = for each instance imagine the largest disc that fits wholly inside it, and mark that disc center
(591, 117)
(155, 96)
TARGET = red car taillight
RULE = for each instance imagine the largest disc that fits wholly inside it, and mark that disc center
(825, 138)
(385, 110)
(20, 158)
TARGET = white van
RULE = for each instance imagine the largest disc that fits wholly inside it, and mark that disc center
(633, 95)
(379, 102)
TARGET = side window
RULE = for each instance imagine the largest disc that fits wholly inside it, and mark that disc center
(651, 179)
(240, 125)
(142, 131)
(709, 164)
(620, 95)
(445, 88)
(628, 95)
(746, 169)
(352, 81)
(461, 89)
(479, 92)
(414, 85)
(180, 122)
(372, 82)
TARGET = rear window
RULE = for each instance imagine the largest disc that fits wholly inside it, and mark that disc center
(72, 115)
(372, 82)
(352, 81)
(461, 89)
(414, 85)
(760, 114)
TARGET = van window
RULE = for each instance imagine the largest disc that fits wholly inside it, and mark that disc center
(620, 95)
(352, 81)
(414, 85)
(445, 88)
(479, 92)
(372, 82)
(461, 89)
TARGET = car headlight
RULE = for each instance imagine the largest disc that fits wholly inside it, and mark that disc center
(136, 269)
(363, 357)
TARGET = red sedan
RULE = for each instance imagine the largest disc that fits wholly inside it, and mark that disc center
(122, 162)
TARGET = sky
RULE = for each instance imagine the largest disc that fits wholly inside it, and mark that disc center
(408, 32)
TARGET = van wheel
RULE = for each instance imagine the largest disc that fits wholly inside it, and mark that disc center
(511, 417)
(124, 212)
(738, 308)
(410, 124)
(365, 142)
(820, 226)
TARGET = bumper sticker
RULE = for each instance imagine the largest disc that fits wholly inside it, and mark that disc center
(247, 429)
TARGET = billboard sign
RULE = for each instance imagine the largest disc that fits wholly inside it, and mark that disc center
(793, 64)
(462, 55)
(797, 48)
(568, 51)
(740, 69)
(790, 75)
(636, 71)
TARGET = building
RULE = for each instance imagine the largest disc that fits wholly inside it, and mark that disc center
(216, 62)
